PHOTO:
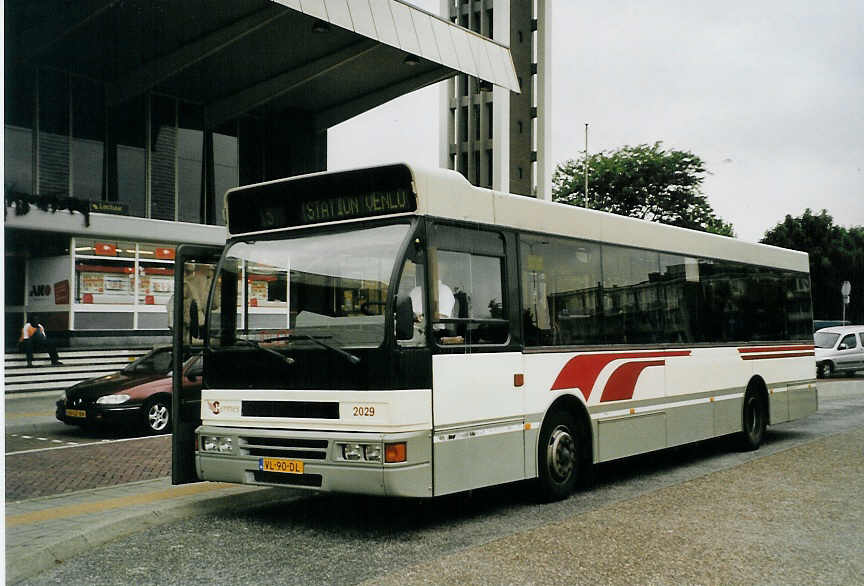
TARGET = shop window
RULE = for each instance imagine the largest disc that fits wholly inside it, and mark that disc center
(155, 275)
(104, 272)
(104, 282)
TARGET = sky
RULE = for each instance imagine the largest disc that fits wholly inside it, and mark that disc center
(770, 94)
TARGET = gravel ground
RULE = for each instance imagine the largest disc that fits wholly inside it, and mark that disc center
(803, 523)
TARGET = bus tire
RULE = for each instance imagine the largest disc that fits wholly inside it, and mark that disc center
(558, 456)
(754, 421)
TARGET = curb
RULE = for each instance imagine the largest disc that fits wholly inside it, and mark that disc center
(47, 556)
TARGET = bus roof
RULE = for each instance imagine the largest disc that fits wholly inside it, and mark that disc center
(447, 194)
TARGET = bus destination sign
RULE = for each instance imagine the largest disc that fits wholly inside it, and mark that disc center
(376, 203)
(320, 199)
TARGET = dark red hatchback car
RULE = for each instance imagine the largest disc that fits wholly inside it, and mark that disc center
(140, 394)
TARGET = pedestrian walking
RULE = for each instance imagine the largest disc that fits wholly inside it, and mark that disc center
(34, 338)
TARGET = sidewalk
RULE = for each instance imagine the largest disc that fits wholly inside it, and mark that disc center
(46, 531)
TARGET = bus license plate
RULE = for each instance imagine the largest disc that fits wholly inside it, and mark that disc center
(280, 465)
(76, 413)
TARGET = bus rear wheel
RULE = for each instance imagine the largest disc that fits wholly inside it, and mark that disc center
(754, 420)
(558, 456)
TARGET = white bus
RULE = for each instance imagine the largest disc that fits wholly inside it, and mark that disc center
(397, 331)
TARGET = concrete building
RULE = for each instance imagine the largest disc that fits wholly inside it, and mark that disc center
(496, 138)
(125, 122)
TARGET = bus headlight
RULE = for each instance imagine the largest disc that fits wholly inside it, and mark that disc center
(352, 452)
(373, 453)
(224, 445)
(208, 443)
(215, 443)
(360, 452)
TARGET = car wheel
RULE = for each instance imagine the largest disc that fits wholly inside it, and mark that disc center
(558, 456)
(754, 420)
(824, 370)
(157, 416)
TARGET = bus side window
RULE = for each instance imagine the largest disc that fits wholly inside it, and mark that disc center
(470, 300)
(411, 290)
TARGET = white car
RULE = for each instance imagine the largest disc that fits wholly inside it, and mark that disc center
(839, 349)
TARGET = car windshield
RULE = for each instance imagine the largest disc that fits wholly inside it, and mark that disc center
(327, 291)
(156, 362)
(825, 339)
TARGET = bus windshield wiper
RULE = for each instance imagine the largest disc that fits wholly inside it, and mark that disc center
(346, 355)
(256, 344)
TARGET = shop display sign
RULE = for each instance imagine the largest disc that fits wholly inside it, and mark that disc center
(48, 279)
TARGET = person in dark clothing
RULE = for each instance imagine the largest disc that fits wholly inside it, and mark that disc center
(34, 339)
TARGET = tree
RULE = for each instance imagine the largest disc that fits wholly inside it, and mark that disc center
(645, 182)
(836, 255)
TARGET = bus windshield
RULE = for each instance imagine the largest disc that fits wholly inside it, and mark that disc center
(325, 291)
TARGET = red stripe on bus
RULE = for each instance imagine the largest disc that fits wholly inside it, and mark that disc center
(774, 349)
(582, 371)
(767, 356)
(622, 383)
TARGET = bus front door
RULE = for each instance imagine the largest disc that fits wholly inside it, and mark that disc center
(194, 267)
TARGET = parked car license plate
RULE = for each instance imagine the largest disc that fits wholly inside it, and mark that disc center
(280, 465)
(76, 413)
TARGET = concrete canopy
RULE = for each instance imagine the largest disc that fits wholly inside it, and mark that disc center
(332, 59)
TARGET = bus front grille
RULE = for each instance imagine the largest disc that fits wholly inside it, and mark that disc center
(279, 447)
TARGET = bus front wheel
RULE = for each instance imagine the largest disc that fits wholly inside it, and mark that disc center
(558, 456)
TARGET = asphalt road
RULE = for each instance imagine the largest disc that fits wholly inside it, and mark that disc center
(788, 513)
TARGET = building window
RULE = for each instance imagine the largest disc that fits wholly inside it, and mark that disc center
(163, 153)
(128, 149)
(88, 139)
(18, 135)
(53, 133)
(226, 172)
(190, 161)
(475, 111)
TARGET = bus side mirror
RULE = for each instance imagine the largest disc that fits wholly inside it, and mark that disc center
(404, 318)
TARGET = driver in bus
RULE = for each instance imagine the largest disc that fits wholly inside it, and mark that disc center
(446, 302)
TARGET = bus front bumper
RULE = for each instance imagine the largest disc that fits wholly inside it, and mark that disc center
(315, 460)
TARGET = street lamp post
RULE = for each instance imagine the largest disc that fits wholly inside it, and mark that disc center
(587, 205)
(845, 289)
